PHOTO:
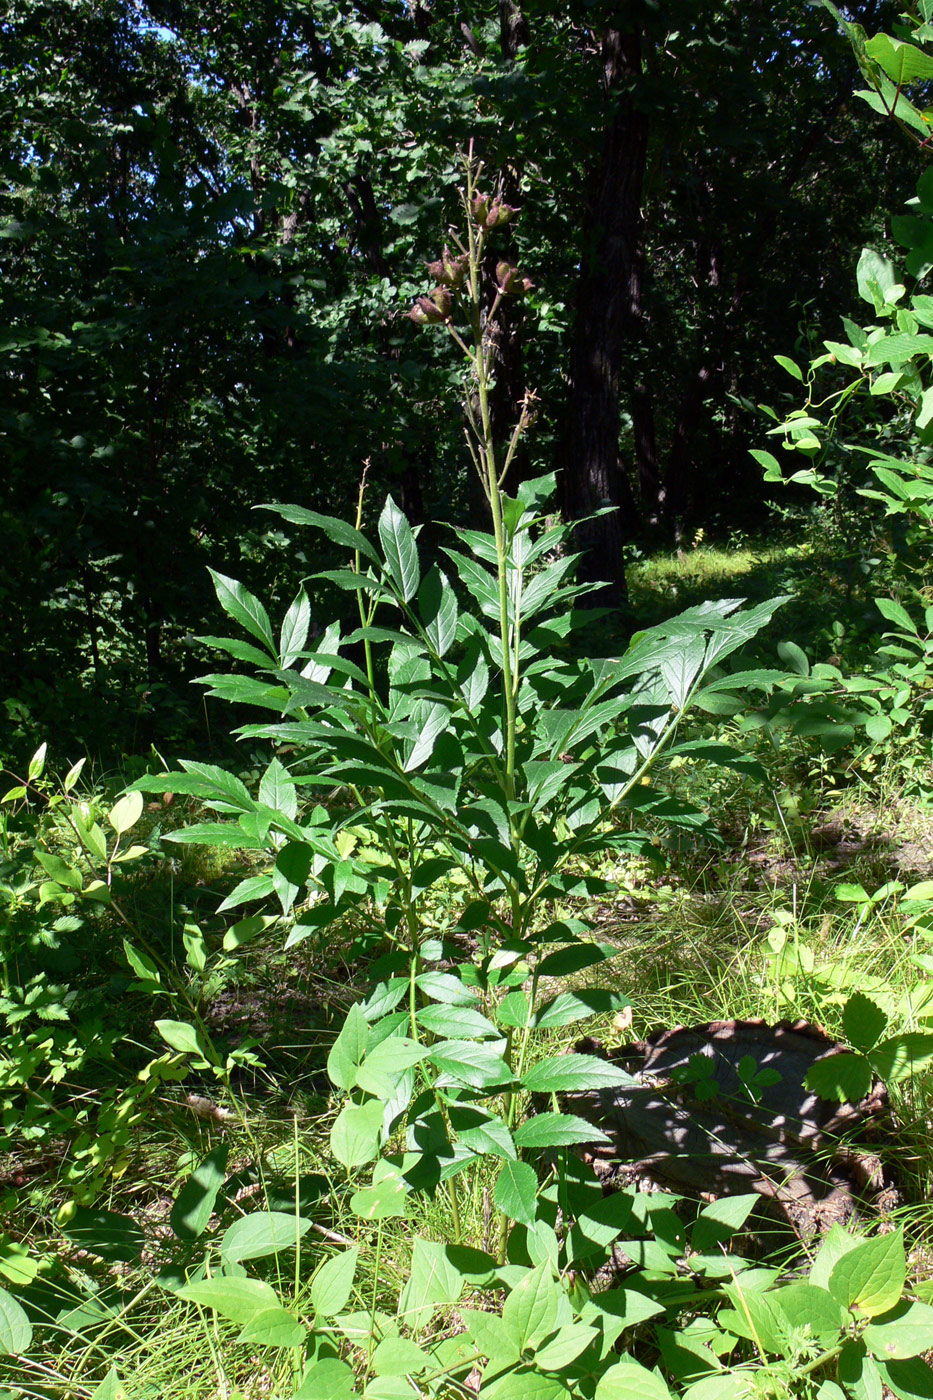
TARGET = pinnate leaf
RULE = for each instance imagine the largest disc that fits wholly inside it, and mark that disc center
(400, 549)
(516, 1191)
(557, 1130)
(569, 1073)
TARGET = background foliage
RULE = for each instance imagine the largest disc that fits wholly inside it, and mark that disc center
(211, 229)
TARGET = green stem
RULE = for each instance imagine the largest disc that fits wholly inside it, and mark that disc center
(491, 481)
(372, 1313)
(366, 615)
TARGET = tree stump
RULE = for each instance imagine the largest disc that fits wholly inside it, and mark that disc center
(742, 1122)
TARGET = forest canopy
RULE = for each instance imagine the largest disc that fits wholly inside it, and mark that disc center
(213, 226)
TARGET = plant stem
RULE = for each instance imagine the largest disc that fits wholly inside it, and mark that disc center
(490, 478)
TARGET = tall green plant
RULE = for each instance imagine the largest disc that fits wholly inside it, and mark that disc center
(470, 750)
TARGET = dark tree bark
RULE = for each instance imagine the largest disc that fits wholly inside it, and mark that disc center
(707, 372)
(646, 452)
(607, 291)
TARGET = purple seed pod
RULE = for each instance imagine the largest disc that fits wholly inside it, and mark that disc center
(448, 270)
(426, 313)
(512, 282)
(499, 213)
(480, 208)
(442, 300)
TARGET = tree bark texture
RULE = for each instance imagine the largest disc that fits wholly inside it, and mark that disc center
(606, 292)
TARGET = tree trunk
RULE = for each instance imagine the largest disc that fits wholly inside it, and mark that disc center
(607, 291)
(646, 453)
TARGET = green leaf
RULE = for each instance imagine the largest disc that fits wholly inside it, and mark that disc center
(37, 762)
(356, 1135)
(245, 609)
(64, 874)
(569, 1007)
(194, 1204)
(335, 529)
(557, 1130)
(846, 1078)
(909, 1380)
(873, 268)
(221, 834)
(295, 627)
(238, 649)
(433, 1281)
(332, 1285)
(245, 930)
(195, 947)
(755, 1317)
(795, 657)
(567, 1073)
(253, 887)
(514, 1010)
(273, 1327)
(261, 1233)
(469, 1063)
(482, 1133)
(445, 987)
(112, 1237)
(565, 1346)
(384, 1066)
(347, 1052)
(126, 813)
(110, 1388)
(437, 604)
(718, 1221)
(903, 63)
(809, 1309)
(575, 958)
(181, 1037)
(858, 1372)
(490, 1336)
(792, 368)
(277, 790)
(516, 1191)
(837, 1243)
(328, 1380)
(722, 1385)
(893, 612)
(618, 1309)
(386, 1199)
(530, 1312)
(432, 720)
(862, 1021)
(400, 549)
(525, 1384)
(15, 1327)
(878, 728)
(900, 1057)
(455, 1021)
(239, 1299)
(905, 1331)
(397, 1356)
(871, 1276)
(17, 1265)
(628, 1380)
